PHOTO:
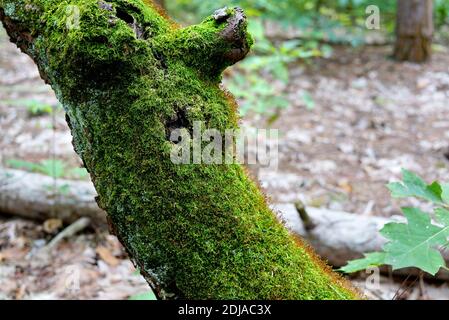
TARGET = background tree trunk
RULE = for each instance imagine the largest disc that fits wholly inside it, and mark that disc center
(127, 77)
(414, 30)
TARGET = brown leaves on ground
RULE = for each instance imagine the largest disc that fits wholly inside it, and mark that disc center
(106, 255)
(85, 266)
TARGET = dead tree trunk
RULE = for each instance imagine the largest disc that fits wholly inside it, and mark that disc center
(127, 77)
(40, 197)
(414, 30)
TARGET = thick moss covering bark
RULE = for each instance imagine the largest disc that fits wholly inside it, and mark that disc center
(124, 75)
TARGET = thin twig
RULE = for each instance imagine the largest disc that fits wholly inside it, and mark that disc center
(396, 296)
(70, 231)
(304, 215)
(422, 289)
(400, 287)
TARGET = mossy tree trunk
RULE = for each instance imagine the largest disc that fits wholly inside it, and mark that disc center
(414, 30)
(125, 76)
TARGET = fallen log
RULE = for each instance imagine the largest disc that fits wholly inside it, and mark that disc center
(341, 236)
(40, 197)
(336, 236)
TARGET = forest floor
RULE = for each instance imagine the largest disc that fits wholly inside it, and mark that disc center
(371, 117)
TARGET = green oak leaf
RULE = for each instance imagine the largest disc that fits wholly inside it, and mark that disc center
(414, 186)
(418, 242)
(442, 216)
(413, 244)
(372, 259)
(445, 192)
(149, 295)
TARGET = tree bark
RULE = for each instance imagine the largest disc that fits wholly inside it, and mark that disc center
(414, 30)
(127, 77)
(39, 197)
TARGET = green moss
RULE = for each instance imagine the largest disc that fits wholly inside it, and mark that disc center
(198, 231)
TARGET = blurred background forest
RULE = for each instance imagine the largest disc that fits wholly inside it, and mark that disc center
(349, 118)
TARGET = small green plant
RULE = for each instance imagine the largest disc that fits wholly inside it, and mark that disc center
(271, 61)
(34, 107)
(257, 94)
(38, 108)
(419, 242)
(54, 168)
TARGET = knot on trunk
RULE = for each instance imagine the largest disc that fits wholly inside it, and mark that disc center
(234, 34)
(218, 42)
